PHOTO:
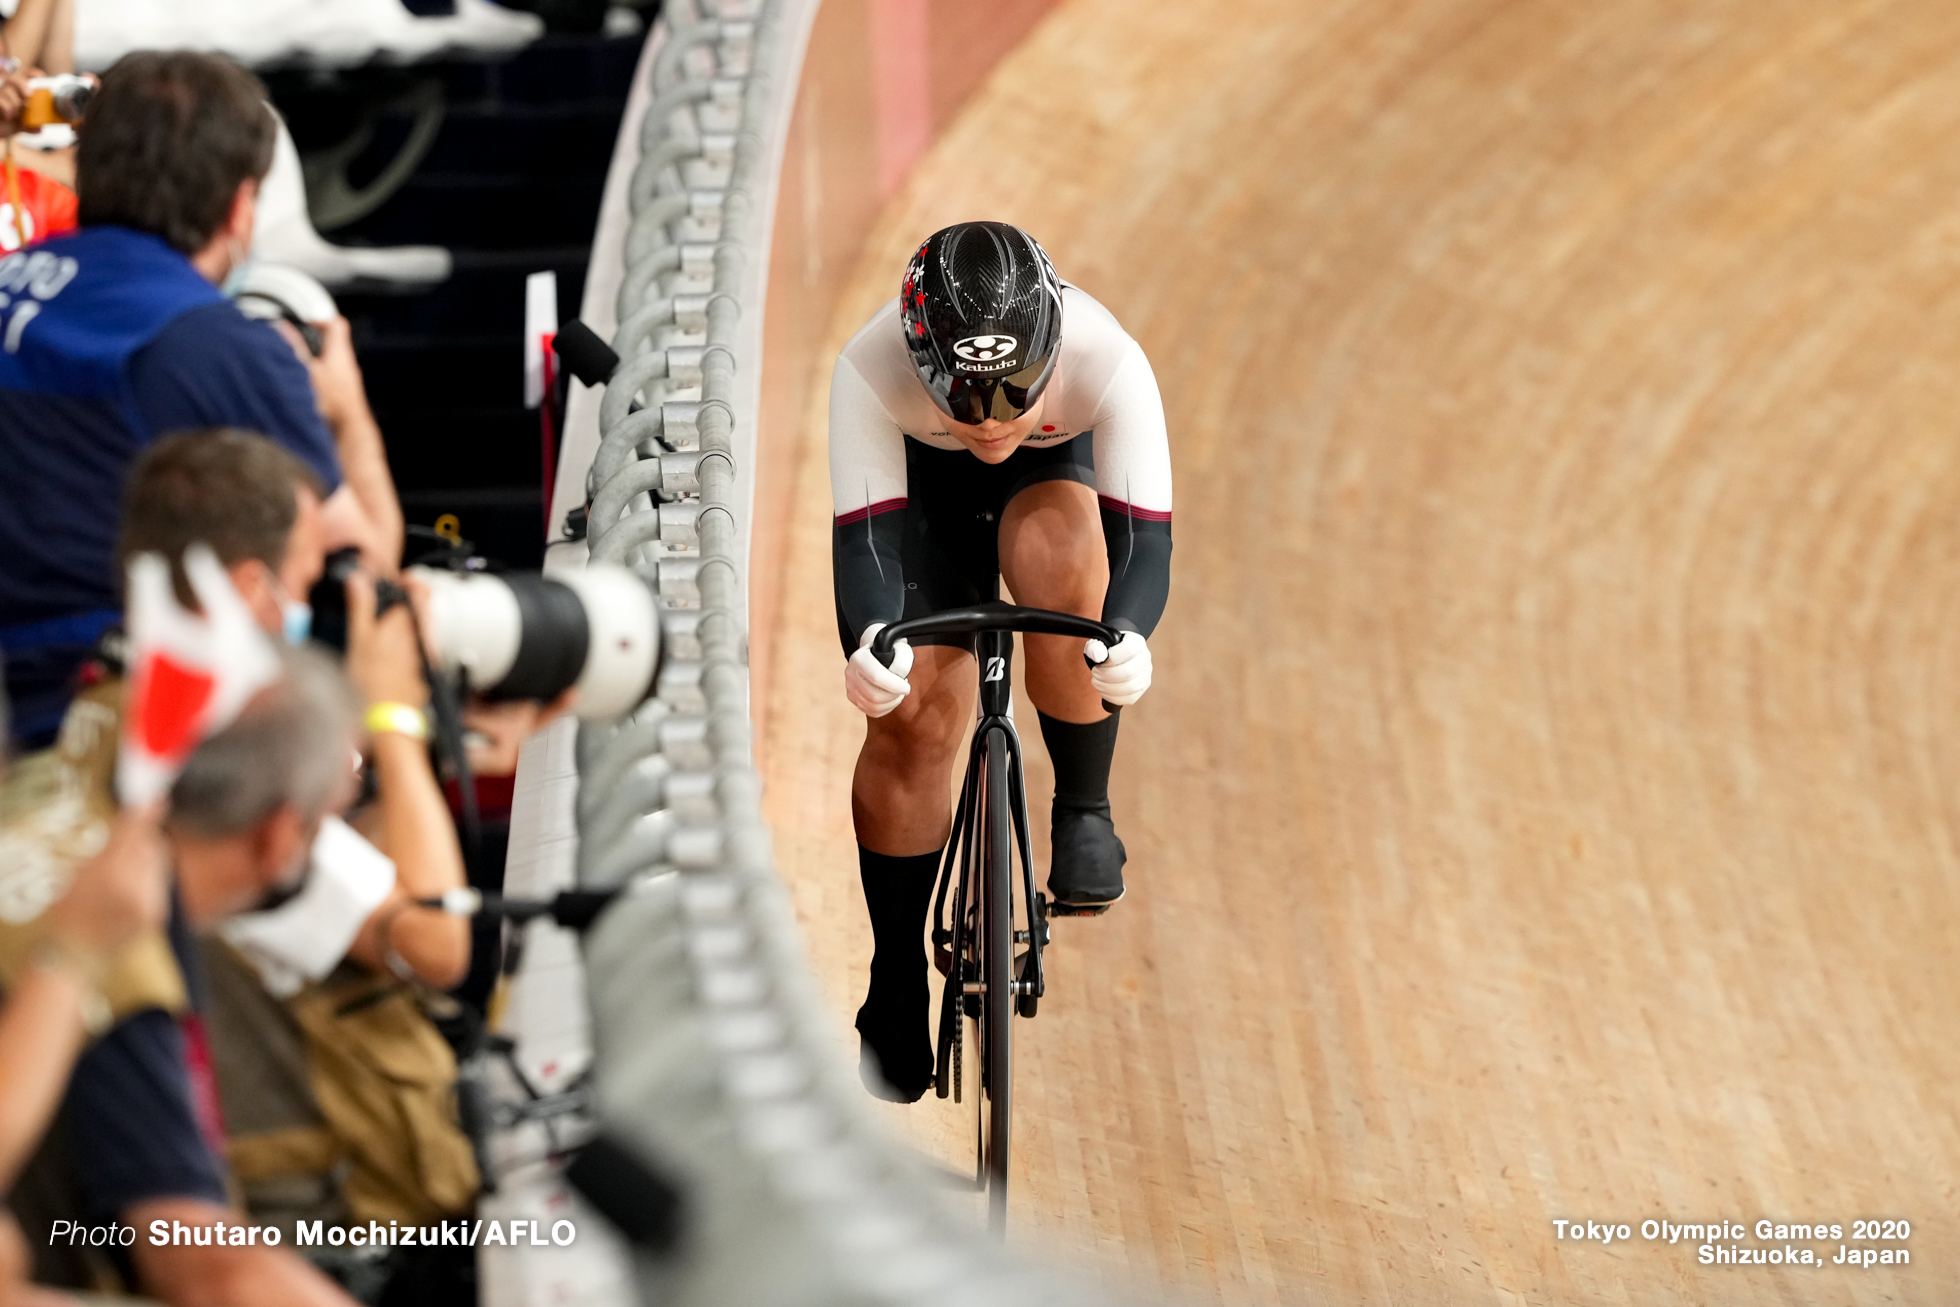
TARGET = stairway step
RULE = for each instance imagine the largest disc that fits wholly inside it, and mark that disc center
(430, 373)
(562, 140)
(464, 447)
(511, 186)
(504, 522)
(483, 296)
(563, 68)
(465, 212)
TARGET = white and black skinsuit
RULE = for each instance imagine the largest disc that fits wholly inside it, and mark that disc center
(917, 515)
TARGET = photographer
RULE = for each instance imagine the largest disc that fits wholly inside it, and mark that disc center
(37, 197)
(337, 1089)
(258, 509)
(118, 333)
(138, 1140)
(41, 35)
(52, 996)
(243, 816)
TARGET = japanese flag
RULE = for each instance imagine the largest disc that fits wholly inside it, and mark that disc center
(190, 673)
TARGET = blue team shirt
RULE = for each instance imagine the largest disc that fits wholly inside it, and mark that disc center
(109, 339)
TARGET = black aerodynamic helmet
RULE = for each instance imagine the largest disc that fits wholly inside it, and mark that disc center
(983, 319)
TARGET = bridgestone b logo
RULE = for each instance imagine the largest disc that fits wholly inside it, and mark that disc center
(985, 349)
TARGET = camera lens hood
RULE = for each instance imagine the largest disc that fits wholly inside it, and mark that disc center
(524, 635)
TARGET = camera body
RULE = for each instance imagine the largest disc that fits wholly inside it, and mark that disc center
(60, 98)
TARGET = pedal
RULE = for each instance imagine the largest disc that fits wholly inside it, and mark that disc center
(1080, 909)
(1027, 995)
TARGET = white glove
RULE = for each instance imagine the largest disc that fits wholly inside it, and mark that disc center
(873, 688)
(1122, 674)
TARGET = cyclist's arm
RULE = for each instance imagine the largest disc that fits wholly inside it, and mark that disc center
(867, 491)
(1133, 485)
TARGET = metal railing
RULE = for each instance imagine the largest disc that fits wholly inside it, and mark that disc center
(714, 1053)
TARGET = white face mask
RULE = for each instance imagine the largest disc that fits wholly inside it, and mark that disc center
(290, 885)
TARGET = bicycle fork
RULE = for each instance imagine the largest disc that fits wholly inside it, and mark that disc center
(960, 868)
(996, 653)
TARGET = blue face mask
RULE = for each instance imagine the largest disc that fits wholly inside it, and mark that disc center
(297, 620)
(243, 261)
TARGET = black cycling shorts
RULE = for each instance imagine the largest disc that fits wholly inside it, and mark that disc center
(953, 504)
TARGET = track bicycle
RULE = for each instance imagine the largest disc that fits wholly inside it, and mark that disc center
(987, 982)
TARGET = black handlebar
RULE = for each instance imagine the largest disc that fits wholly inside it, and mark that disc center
(992, 617)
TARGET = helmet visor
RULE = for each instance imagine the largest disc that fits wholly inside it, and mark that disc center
(972, 400)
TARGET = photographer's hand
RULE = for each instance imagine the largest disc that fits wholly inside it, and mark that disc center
(13, 100)
(497, 730)
(384, 654)
(337, 383)
(120, 892)
(342, 397)
(417, 832)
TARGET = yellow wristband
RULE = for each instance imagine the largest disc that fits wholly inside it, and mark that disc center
(398, 718)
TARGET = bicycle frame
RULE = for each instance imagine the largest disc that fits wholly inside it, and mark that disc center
(975, 948)
(994, 720)
(985, 979)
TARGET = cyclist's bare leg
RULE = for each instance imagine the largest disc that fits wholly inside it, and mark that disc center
(901, 795)
(1052, 556)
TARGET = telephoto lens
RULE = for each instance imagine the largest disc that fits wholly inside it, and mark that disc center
(522, 635)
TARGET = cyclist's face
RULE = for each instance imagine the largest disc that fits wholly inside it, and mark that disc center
(992, 441)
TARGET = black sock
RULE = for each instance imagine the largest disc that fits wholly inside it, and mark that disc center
(893, 1020)
(1081, 755)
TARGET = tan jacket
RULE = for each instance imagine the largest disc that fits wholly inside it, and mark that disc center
(55, 809)
(340, 1101)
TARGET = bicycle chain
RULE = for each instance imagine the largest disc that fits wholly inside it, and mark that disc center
(959, 1026)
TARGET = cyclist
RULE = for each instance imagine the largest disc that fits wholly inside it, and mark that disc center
(991, 422)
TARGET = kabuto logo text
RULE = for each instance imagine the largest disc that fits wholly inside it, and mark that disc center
(984, 349)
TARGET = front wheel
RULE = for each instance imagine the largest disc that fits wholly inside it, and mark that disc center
(999, 968)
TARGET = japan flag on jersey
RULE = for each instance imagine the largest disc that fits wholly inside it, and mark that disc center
(189, 673)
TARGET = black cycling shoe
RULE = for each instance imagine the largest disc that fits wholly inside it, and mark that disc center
(1085, 870)
(896, 1059)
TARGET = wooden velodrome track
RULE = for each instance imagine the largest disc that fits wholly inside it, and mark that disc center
(1549, 802)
